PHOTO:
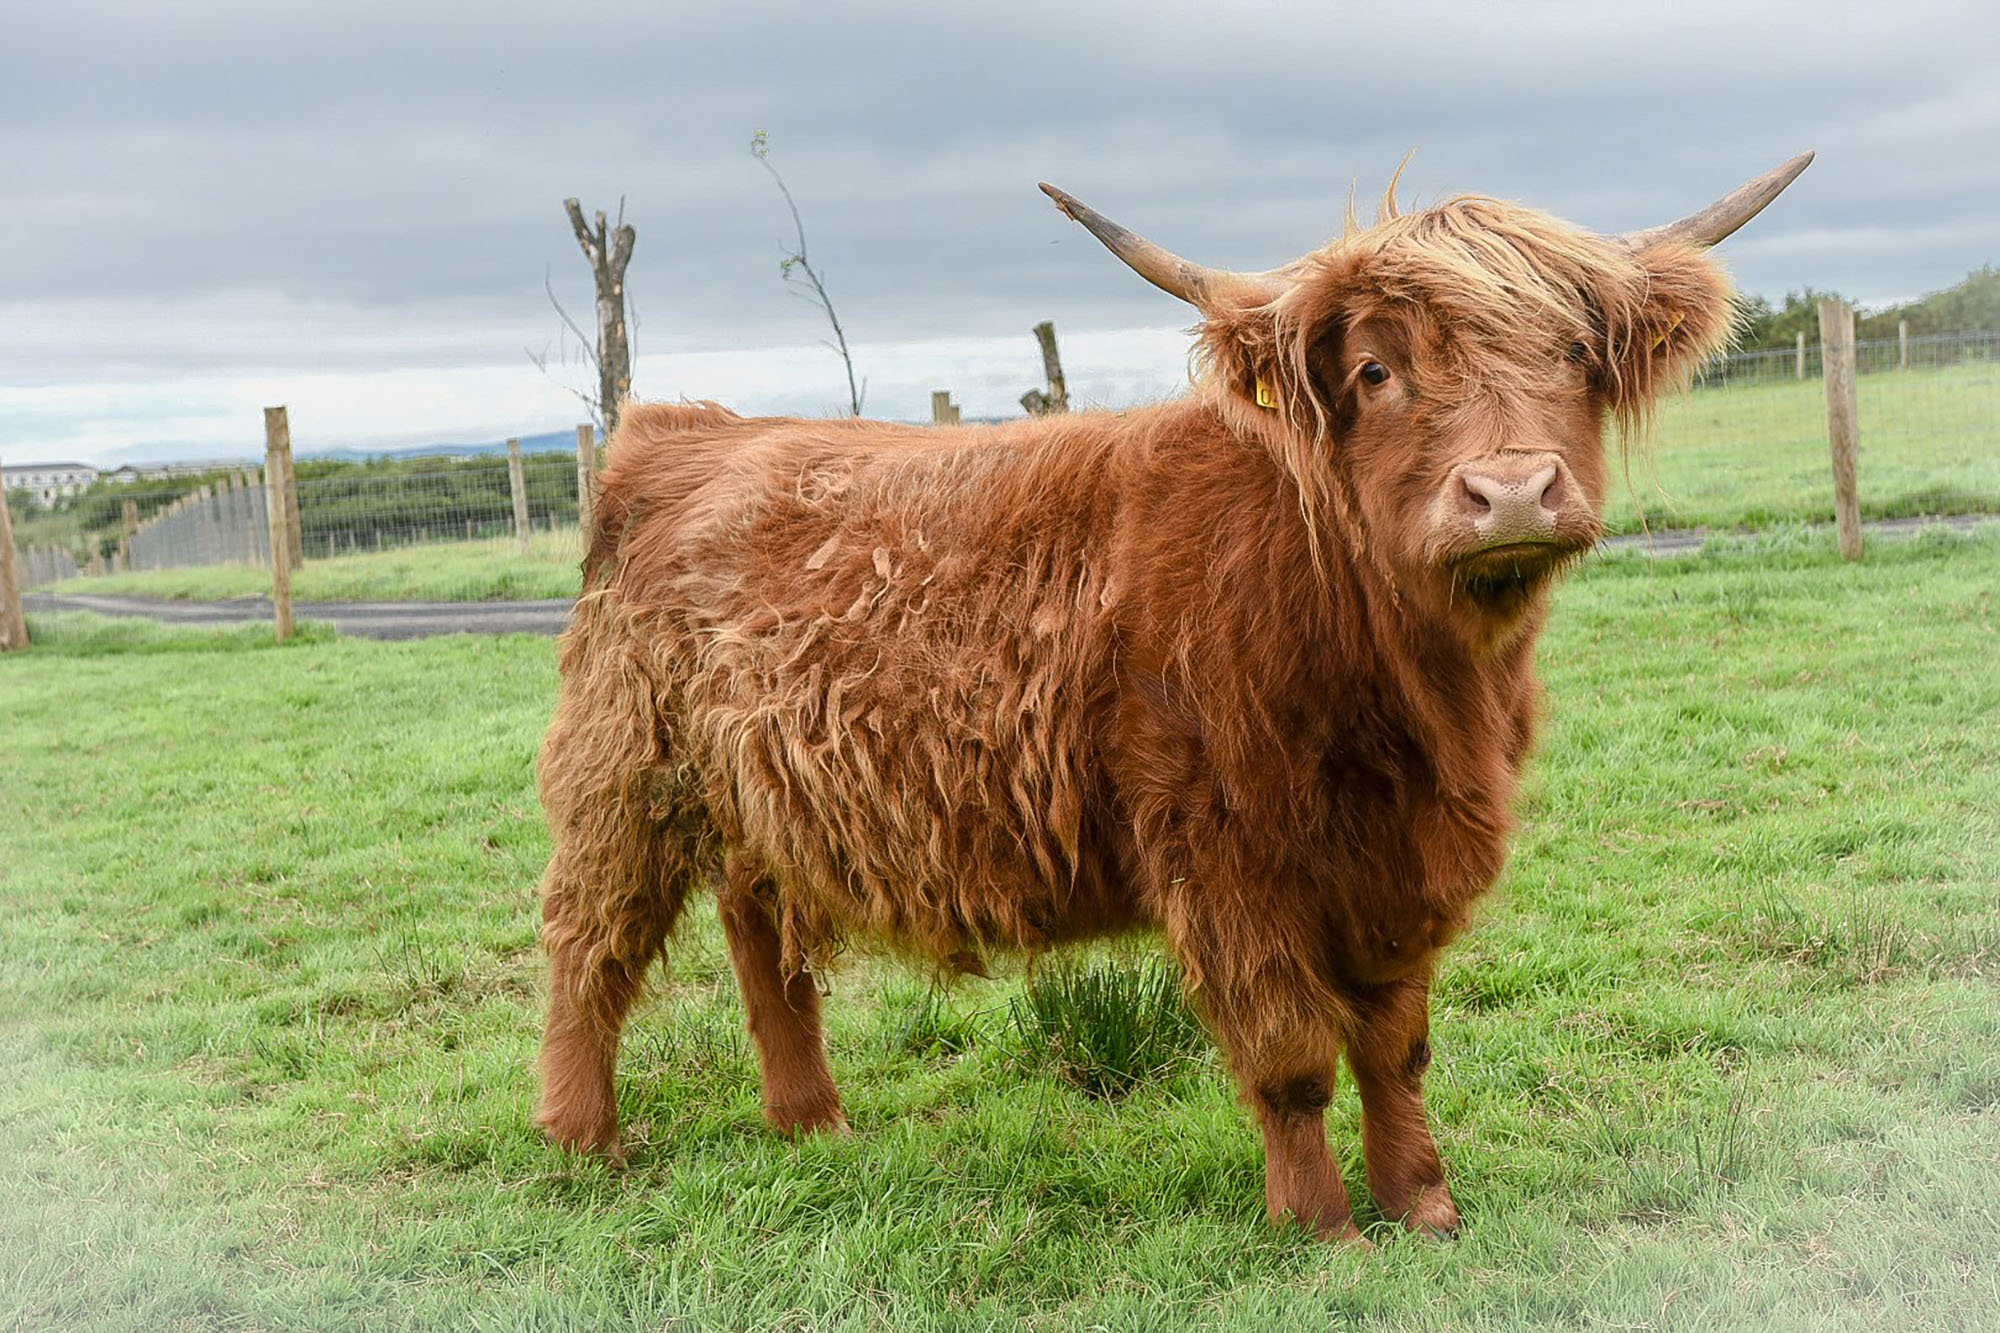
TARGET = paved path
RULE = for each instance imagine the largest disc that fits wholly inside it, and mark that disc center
(417, 620)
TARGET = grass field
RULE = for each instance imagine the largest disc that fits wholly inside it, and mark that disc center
(1732, 458)
(1723, 1050)
(1757, 455)
(474, 571)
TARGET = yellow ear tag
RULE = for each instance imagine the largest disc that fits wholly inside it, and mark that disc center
(1265, 398)
(1669, 329)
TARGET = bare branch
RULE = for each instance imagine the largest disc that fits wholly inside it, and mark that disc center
(796, 263)
(593, 247)
(609, 252)
(582, 339)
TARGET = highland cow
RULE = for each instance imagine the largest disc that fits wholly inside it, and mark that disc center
(1253, 669)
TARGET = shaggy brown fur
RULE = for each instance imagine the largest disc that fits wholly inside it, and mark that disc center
(1245, 675)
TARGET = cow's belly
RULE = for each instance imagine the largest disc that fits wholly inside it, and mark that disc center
(907, 781)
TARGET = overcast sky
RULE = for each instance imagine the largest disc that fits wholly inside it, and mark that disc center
(351, 207)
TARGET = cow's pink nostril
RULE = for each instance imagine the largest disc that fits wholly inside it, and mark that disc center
(1545, 485)
(1476, 493)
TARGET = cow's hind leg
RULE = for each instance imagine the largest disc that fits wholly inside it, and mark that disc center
(606, 912)
(1389, 1053)
(627, 849)
(783, 1010)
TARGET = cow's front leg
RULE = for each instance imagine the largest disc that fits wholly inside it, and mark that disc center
(1301, 1180)
(1285, 1059)
(1389, 1052)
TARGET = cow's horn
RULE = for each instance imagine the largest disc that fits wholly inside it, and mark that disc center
(1726, 214)
(1194, 283)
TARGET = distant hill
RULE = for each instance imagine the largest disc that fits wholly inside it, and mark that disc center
(555, 441)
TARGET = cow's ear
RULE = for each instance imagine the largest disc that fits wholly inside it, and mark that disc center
(1239, 350)
(1681, 317)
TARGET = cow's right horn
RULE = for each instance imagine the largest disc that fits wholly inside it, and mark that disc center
(1726, 214)
(1196, 284)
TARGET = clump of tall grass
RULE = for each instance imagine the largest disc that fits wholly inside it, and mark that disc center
(1107, 1026)
(921, 1024)
(1862, 945)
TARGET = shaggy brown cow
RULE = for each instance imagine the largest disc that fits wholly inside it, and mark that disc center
(1253, 668)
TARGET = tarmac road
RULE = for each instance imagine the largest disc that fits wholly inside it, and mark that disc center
(418, 620)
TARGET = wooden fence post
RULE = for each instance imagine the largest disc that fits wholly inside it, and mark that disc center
(517, 479)
(128, 528)
(295, 540)
(586, 478)
(13, 623)
(1802, 354)
(1055, 398)
(1843, 418)
(277, 471)
(1902, 344)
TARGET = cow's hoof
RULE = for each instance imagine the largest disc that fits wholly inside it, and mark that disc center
(591, 1139)
(1434, 1214)
(1348, 1236)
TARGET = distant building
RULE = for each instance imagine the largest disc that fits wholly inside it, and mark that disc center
(168, 471)
(49, 481)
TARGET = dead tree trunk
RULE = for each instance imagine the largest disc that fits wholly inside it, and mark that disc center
(1042, 403)
(609, 250)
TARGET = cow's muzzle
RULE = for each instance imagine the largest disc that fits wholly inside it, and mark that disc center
(1514, 509)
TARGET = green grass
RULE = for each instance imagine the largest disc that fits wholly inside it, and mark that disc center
(1722, 1051)
(474, 571)
(1754, 456)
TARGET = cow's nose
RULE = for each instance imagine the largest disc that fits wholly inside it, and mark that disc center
(1512, 502)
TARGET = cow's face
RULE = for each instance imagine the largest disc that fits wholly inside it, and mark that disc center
(1474, 492)
(1458, 406)
(1439, 384)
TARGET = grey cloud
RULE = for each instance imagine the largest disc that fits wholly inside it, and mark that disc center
(402, 166)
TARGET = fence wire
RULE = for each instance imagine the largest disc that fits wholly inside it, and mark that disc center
(349, 508)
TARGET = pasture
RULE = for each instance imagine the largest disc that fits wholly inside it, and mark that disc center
(1723, 1050)
(1755, 455)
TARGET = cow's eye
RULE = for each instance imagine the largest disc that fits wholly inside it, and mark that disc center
(1578, 353)
(1374, 372)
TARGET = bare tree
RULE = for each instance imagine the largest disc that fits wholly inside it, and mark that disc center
(797, 269)
(609, 250)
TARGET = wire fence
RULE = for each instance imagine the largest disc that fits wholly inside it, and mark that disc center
(46, 564)
(1748, 447)
(347, 509)
(352, 508)
(1873, 356)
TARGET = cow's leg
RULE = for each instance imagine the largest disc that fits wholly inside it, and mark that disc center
(599, 945)
(624, 857)
(1389, 1052)
(783, 1011)
(1286, 1062)
(1301, 1180)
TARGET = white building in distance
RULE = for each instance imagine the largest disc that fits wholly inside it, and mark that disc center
(49, 481)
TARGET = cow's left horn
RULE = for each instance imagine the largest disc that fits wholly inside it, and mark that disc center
(1726, 214)
(1194, 283)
